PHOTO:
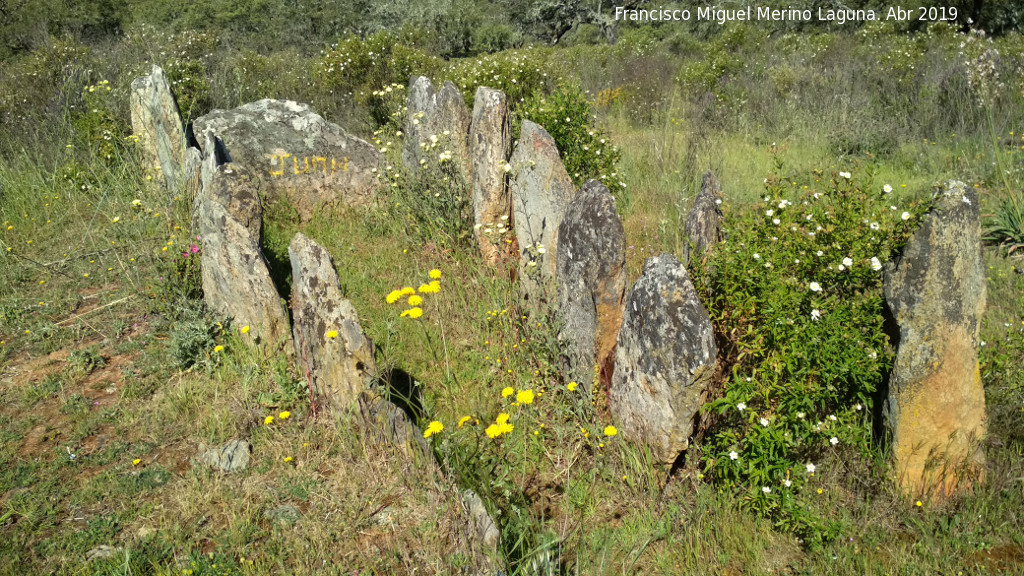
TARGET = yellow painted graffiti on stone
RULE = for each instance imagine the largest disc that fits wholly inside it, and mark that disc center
(305, 165)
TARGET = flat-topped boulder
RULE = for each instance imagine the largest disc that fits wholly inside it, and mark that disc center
(936, 292)
(302, 159)
(157, 124)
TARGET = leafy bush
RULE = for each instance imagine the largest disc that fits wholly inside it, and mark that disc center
(194, 337)
(795, 295)
(520, 74)
(1006, 225)
(99, 124)
(433, 203)
(586, 149)
(354, 67)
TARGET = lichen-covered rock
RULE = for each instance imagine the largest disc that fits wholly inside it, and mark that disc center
(436, 122)
(302, 158)
(193, 173)
(331, 347)
(490, 146)
(233, 186)
(157, 124)
(664, 360)
(236, 281)
(936, 292)
(703, 225)
(233, 456)
(541, 191)
(386, 423)
(418, 102)
(482, 525)
(591, 265)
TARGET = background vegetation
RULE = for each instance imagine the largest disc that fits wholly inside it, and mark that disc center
(113, 375)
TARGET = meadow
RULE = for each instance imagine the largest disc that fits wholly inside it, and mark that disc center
(113, 375)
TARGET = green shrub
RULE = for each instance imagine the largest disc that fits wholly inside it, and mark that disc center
(520, 74)
(194, 337)
(432, 204)
(586, 149)
(354, 67)
(1006, 225)
(99, 125)
(795, 296)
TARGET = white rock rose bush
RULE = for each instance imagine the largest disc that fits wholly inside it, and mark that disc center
(795, 294)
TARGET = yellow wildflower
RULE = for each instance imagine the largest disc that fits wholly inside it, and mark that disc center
(434, 427)
(287, 459)
(571, 386)
(268, 420)
(136, 462)
(525, 397)
(284, 415)
(332, 334)
(245, 329)
(412, 313)
(610, 431)
(218, 348)
(463, 420)
(435, 274)
(507, 391)
(393, 296)
(408, 291)
(415, 300)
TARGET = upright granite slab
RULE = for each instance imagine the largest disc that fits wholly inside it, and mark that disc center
(301, 158)
(541, 191)
(236, 281)
(157, 124)
(664, 359)
(591, 271)
(330, 344)
(703, 226)
(490, 146)
(231, 185)
(936, 292)
(436, 122)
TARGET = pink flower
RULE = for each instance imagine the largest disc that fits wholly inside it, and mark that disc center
(193, 249)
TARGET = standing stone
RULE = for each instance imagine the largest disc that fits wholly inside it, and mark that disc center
(418, 103)
(386, 423)
(703, 225)
(591, 265)
(936, 292)
(157, 124)
(436, 122)
(481, 524)
(331, 347)
(236, 281)
(541, 191)
(231, 185)
(489, 148)
(193, 173)
(664, 360)
(304, 160)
